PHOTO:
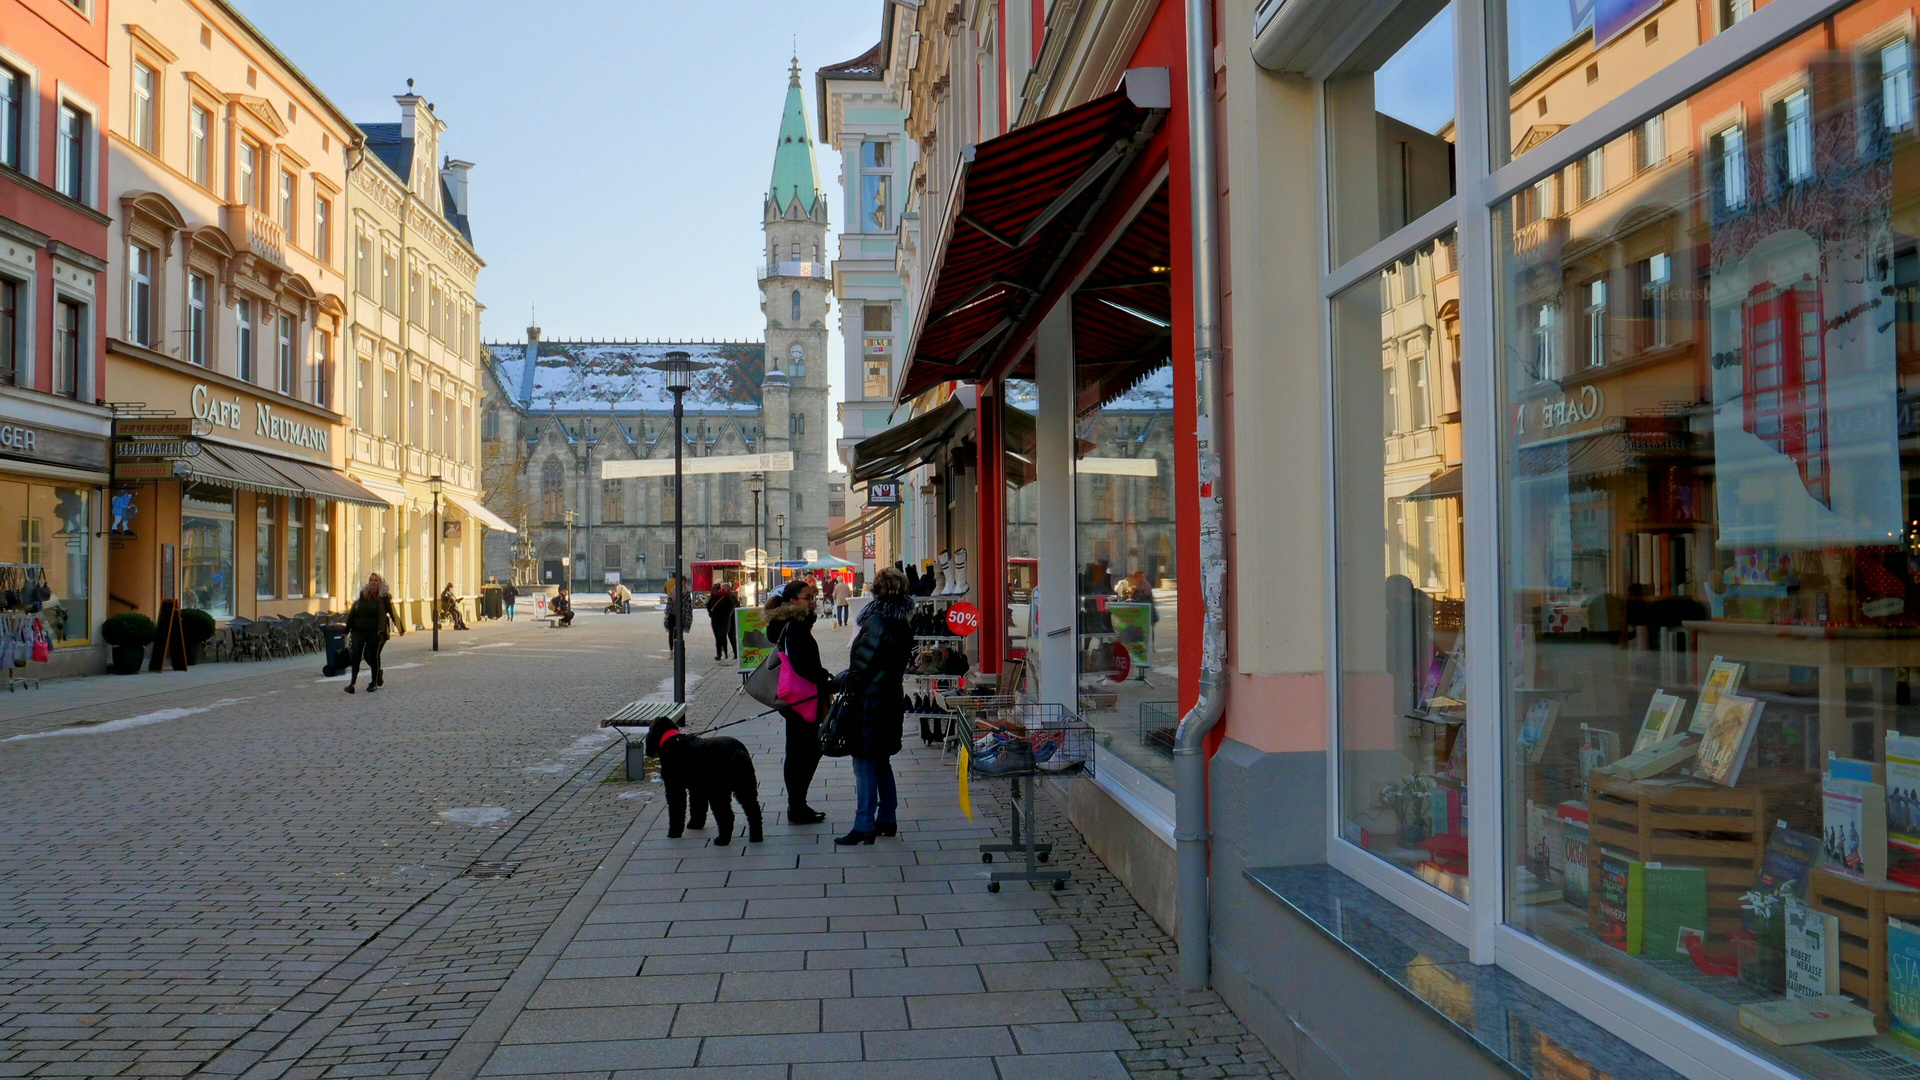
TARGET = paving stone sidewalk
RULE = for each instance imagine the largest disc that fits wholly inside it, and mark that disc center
(799, 960)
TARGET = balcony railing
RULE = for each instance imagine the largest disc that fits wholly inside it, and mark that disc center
(814, 269)
(254, 231)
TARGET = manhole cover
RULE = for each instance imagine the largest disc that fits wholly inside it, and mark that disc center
(491, 871)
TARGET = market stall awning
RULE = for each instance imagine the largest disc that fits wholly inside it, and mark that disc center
(830, 562)
(1020, 207)
(322, 483)
(903, 446)
(1444, 485)
(873, 518)
(478, 511)
(230, 466)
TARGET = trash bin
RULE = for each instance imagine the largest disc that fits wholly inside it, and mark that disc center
(338, 659)
(492, 602)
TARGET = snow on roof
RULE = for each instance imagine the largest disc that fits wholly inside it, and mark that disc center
(601, 378)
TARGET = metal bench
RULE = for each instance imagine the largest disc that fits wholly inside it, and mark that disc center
(553, 621)
(632, 722)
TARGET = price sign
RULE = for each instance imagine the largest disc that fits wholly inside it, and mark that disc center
(1122, 663)
(963, 619)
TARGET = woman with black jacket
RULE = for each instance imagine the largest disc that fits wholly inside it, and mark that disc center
(720, 608)
(874, 710)
(367, 622)
(790, 617)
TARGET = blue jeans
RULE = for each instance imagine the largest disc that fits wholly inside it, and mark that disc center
(873, 784)
(509, 611)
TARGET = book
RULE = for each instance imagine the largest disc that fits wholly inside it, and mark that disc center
(1537, 728)
(1854, 829)
(1811, 938)
(1598, 747)
(1662, 721)
(1574, 874)
(1610, 912)
(1845, 768)
(1723, 677)
(1723, 749)
(1903, 982)
(1657, 758)
(1791, 1022)
(1784, 869)
(1662, 901)
(1903, 793)
(1545, 857)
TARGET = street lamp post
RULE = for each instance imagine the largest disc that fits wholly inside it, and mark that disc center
(568, 565)
(755, 483)
(434, 483)
(780, 523)
(679, 368)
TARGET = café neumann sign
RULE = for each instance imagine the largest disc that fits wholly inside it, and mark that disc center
(232, 413)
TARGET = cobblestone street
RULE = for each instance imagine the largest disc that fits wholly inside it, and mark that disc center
(257, 875)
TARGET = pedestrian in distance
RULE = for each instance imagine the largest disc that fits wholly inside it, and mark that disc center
(508, 594)
(562, 606)
(720, 608)
(874, 705)
(367, 622)
(450, 608)
(842, 597)
(790, 619)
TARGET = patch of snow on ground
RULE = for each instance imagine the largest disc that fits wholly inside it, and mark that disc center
(584, 746)
(475, 815)
(159, 716)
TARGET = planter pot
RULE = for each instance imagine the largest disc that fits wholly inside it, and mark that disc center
(193, 653)
(128, 659)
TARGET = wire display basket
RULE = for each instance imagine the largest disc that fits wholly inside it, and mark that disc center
(1029, 739)
(1159, 720)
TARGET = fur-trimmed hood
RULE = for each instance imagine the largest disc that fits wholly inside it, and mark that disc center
(789, 610)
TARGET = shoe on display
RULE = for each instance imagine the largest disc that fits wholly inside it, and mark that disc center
(1012, 758)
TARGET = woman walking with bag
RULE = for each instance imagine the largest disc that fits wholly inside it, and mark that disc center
(803, 683)
(720, 608)
(367, 622)
(873, 711)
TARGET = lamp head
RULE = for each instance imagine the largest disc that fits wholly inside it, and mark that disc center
(435, 483)
(679, 366)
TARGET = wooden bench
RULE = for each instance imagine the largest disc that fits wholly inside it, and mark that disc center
(554, 621)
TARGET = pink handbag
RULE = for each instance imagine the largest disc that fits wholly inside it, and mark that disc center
(797, 692)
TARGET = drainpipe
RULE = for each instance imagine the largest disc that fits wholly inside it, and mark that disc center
(1189, 759)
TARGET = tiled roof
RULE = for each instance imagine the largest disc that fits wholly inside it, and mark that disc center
(603, 377)
(867, 63)
(387, 145)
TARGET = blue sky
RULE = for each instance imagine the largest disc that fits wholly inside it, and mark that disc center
(620, 149)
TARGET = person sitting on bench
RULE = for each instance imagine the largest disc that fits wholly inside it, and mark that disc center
(561, 608)
(450, 608)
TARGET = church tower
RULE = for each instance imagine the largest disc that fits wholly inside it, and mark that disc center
(795, 291)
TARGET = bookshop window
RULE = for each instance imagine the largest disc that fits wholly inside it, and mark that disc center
(1400, 571)
(206, 549)
(1020, 402)
(1711, 735)
(1126, 543)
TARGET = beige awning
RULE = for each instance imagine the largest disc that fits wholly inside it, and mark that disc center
(867, 522)
(393, 493)
(478, 512)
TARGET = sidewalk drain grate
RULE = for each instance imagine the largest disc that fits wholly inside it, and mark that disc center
(491, 871)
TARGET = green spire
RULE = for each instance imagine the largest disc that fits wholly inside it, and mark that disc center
(795, 174)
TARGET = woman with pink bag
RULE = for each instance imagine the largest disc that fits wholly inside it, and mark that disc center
(804, 685)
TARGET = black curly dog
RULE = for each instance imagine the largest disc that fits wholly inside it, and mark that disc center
(716, 769)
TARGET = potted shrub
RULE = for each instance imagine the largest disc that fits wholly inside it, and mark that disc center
(196, 627)
(129, 633)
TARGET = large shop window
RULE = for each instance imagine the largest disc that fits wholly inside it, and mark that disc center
(265, 572)
(206, 549)
(48, 527)
(1125, 548)
(1021, 400)
(1711, 548)
(1400, 574)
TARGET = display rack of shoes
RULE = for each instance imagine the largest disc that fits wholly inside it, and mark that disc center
(1021, 743)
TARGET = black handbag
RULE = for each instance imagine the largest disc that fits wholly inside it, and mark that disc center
(836, 731)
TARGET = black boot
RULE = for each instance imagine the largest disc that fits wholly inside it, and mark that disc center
(854, 837)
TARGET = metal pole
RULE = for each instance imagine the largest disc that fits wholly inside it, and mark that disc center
(679, 582)
(431, 591)
(760, 587)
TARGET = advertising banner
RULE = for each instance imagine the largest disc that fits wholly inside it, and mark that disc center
(1133, 625)
(750, 629)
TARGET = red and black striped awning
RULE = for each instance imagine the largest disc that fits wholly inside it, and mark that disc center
(1020, 206)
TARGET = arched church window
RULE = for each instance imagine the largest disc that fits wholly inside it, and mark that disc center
(553, 481)
(490, 425)
(795, 249)
(796, 307)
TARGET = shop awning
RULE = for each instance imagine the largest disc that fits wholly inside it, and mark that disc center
(1444, 485)
(903, 446)
(478, 512)
(867, 522)
(326, 484)
(1021, 205)
(392, 494)
(230, 466)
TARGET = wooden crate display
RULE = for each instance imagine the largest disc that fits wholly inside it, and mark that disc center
(1693, 823)
(1863, 910)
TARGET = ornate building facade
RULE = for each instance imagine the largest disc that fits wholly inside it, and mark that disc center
(557, 411)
